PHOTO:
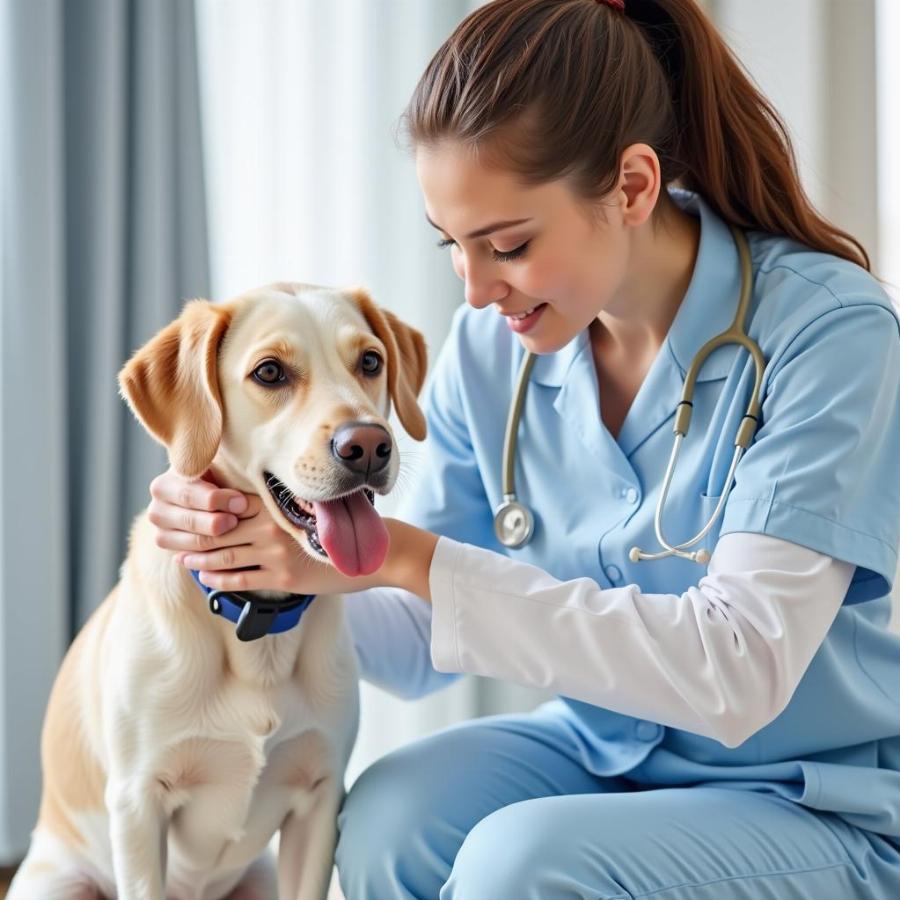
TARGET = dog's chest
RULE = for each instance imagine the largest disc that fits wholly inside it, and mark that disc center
(228, 787)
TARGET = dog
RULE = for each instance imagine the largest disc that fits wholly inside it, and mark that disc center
(172, 750)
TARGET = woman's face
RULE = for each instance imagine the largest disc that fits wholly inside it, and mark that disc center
(519, 247)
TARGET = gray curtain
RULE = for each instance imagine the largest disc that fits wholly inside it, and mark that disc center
(103, 236)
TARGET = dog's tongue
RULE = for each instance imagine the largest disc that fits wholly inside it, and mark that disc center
(352, 534)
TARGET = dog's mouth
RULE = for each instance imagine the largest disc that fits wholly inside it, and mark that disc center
(346, 530)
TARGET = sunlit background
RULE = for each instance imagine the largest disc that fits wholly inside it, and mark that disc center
(155, 151)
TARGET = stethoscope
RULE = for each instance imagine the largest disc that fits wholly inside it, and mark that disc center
(513, 520)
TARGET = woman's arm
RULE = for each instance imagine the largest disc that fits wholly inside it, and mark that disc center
(721, 660)
(408, 561)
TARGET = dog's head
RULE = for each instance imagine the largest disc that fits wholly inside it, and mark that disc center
(286, 391)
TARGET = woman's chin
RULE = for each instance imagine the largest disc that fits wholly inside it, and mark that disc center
(549, 342)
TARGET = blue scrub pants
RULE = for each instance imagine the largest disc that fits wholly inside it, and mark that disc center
(502, 809)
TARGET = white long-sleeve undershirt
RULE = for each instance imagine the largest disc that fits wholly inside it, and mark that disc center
(721, 660)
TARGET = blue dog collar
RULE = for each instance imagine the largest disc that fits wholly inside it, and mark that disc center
(255, 617)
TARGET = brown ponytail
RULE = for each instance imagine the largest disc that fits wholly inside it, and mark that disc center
(559, 88)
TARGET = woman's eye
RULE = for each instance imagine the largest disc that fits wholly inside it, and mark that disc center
(498, 255)
(508, 255)
(269, 373)
(371, 362)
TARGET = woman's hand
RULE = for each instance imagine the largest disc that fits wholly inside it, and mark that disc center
(217, 530)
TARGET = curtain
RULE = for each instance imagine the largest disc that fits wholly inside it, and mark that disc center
(103, 237)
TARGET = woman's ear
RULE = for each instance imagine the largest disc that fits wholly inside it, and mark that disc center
(640, 183)
(172, 386)
(407, 362)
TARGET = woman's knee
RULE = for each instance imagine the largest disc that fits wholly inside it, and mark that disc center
(391, 841)
(515, 852)
(406, 816)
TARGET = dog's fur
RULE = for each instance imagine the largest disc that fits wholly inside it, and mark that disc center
(172, 752)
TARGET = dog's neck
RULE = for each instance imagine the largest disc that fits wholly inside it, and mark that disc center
(265, 663)
(225, 475)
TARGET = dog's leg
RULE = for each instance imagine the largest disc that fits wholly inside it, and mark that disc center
(306, 847)
(52, 870)
(63, 886)
(137, 830)
(41, 877)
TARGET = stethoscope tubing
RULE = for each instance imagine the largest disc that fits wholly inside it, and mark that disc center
(514, 522)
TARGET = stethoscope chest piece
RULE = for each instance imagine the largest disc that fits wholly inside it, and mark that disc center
(513, 523)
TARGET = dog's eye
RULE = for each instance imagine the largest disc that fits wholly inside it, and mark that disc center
(269, 373)
(371, 362)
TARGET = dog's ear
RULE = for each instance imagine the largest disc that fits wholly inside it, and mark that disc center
(172, 386)
(407, 361)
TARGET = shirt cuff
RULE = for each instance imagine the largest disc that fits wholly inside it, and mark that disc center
(444, 647)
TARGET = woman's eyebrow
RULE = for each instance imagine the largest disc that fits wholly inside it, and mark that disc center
(481, 232)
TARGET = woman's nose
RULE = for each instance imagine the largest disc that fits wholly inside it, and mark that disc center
(482, 286)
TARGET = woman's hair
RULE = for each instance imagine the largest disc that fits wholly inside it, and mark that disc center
(559, 88)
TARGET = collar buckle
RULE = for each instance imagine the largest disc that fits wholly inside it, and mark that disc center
(255, 617)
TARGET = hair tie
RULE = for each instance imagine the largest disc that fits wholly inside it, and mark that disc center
(617, 5)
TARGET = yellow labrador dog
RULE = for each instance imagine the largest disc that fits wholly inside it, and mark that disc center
(173, 750)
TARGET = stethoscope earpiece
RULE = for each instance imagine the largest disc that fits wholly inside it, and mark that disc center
(702, 556)
(514, 522)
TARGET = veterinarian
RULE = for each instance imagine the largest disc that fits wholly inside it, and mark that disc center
(726, 727)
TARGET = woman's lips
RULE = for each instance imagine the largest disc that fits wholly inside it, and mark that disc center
(520, 326)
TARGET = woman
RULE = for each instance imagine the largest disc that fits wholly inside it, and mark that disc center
(725, 733)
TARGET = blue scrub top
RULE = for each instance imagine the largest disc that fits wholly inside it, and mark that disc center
(822, 472)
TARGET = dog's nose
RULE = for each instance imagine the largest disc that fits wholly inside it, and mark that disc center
(362, 447)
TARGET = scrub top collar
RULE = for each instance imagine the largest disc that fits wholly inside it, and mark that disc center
(551, 369)
(707, 309)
